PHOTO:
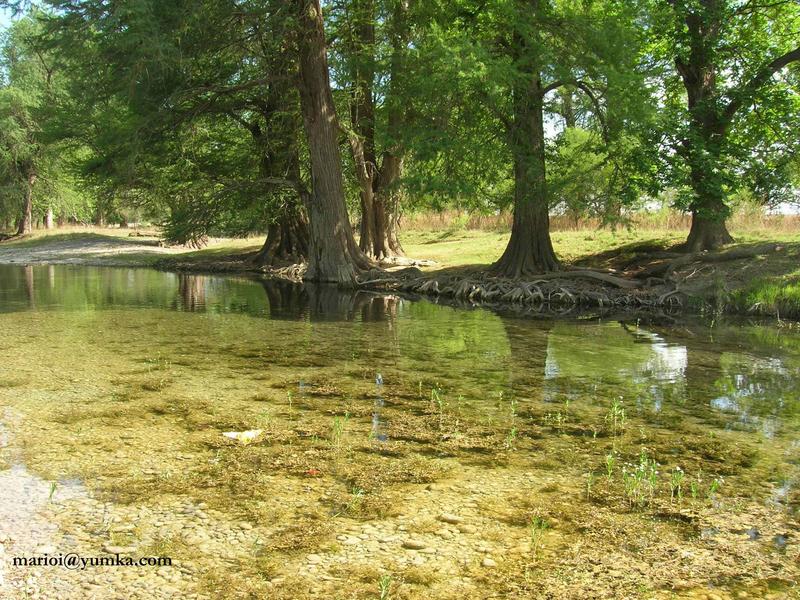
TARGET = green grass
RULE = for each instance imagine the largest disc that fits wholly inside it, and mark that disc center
(596, 247)
(777, 295)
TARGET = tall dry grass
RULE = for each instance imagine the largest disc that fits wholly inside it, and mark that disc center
(744, 220)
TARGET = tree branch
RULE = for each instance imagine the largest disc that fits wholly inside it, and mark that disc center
(581, 85)
(549, 88)
(596, 103)
(746, 92)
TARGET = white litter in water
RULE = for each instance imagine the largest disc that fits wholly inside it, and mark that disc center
(243, 436)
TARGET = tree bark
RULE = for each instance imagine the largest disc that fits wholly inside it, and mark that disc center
(334, 255)
(287, 240)
(26, 221)
(387, 206)
(707, 234)
(568, 108)
(708, 128)
(48, 219)
(530, 250)
(388, 194)
(288, 236)
(380, 205)
(362, 117)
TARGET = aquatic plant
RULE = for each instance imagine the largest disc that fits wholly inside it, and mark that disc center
(556, 420)
(694, 489)
(356, 498)
(616, 417)
(640, 480)
(384, 586)
(265, 418)
(611, 461)
(714, 487)
(590, 479)
(338, 429)
(511, 438)
(438, 403)
(157, 363)
(675, 485)
(437, 398)
(538, 525)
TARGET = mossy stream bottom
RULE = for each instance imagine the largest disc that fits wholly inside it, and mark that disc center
(405, 450)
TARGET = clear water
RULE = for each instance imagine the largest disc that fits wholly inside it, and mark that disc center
(512, 454)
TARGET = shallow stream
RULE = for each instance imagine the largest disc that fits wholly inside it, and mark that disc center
(396, 449)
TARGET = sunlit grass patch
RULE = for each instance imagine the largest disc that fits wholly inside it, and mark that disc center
(778, 295)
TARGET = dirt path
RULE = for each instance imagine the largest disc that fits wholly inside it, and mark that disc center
(85, 249)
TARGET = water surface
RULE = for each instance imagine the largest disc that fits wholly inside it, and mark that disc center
(404, 446)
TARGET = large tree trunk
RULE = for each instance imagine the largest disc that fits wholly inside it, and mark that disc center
(277, 142)
(26, 221)
(365, 174)
(530, 250)
(333, 253)
(388, 195)
(707, 233)
(379, 196)
(361, 52)
(709, 210)
(288, 236)
(708, 129)
(387, 205)
(287, 240)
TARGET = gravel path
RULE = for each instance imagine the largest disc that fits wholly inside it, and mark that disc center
(102, 250)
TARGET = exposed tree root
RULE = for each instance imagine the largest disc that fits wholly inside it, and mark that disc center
(563, 289)
(668, 268)
(599, 276)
